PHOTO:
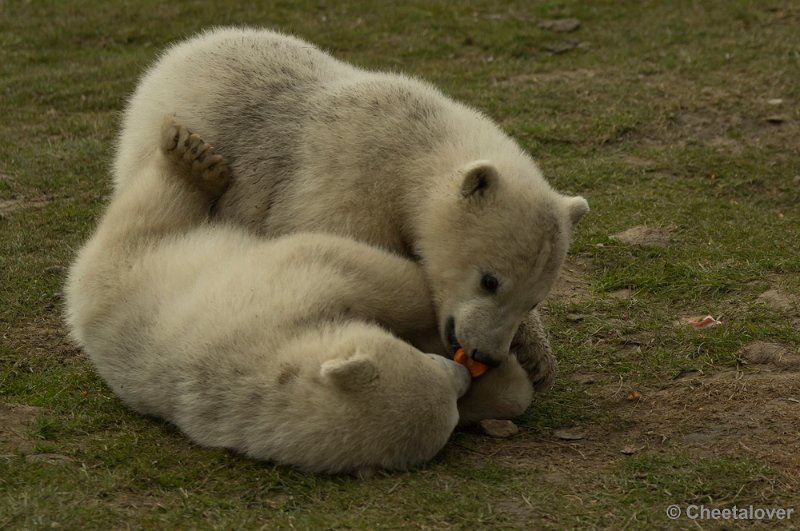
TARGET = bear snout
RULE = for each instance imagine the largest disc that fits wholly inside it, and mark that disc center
(486, 356)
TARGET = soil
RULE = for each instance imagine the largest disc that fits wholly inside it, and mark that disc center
(7, 206)
(777, 300)
(571, 285)
(561, 25)
(15, 420)
(750, 411)
(644, 236)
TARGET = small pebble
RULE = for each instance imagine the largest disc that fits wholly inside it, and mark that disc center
(502, 429)
(570, 434)
(561, 25)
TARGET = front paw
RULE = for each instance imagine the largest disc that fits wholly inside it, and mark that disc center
(533, 352)
(538, 362)
(502, 393)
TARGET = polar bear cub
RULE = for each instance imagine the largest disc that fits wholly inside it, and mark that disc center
(319, 145)
(277, 349)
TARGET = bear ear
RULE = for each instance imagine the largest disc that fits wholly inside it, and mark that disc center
(352, 373)
(577, 207)
(478, 177)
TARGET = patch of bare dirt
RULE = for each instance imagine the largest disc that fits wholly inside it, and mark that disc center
(730, 145)
(130, 500)
(715, 117)
(765, 353)
(567, 76)
(15, 419)
(561, 25)
(779, 300)
(752, 411)
(44, 339)
(582, 377)
(620, 294)
(644, 236)
(645, 165)
(571, 285)
(7, 206)
(52, 459)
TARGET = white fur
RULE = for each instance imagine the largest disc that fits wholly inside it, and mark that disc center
(319, 145)
(270, 348)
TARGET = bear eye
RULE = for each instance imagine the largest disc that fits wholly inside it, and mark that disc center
(489, 283)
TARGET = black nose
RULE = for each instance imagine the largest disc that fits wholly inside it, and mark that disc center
(485, 359)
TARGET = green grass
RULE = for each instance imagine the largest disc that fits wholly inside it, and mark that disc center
(658, 118)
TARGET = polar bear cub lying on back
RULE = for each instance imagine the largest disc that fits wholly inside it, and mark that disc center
(278, 349)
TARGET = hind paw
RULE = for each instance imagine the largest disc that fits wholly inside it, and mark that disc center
(195, 158)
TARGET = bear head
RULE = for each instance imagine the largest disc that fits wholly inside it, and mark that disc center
(492, 244)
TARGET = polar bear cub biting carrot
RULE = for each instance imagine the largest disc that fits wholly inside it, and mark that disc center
(318, 145)
(279, 348)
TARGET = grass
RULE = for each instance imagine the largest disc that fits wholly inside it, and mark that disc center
(663, 114)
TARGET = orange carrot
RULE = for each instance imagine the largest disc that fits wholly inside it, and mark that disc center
(475, 368)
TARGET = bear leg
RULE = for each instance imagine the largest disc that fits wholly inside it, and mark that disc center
(194, 159)
(532, 349)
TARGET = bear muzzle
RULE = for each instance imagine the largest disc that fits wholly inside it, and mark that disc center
(482, 355)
